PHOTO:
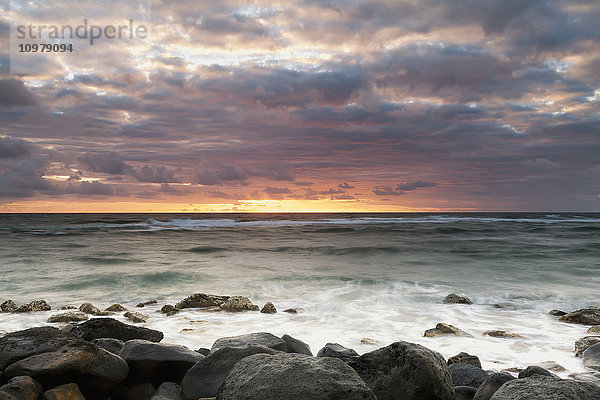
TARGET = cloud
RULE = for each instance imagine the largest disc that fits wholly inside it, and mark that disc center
(345, 185)
(14, 148)
(154, 175)
(223, 174)
(331, 191)
(401, 188)
(106, 162)
(14, 93)
(277, 190)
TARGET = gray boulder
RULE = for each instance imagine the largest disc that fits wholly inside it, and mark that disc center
(111, 328)
(238, 303)
(547, 388)
(89, 308)
(70, 391)
(442, 329)
(585, 343)
(201, 300)
(70, 316)
(36, 305)
(136, 317)
(491, 384)
(464, 358)
(157, 362)
(591, 357)
(207, 375)
(338, 351)
(21, 388)
(261, 338)
(115, 308)
(268, 308)
(405, 370)
(535, 370)
(464, 392)
(586, 316)
(109, 344)
(293, 345)
(293, 376)
(167, 391)
(467, 375)
(453, 298)
(556, 313)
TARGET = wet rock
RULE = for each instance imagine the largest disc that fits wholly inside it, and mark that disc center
(169, 310)
(405, 370)
(591, 357)
(585, 343)
(585, 316)
(467, 375)
(464, 358)
(535, 370)
(136, 316)
(201, 300)
(291, 310)
(70, 391)
(8, 306)
(238, 303)
(203, 350)
(502, 334)
(293, 376)
(68, 308)
(593, 377)
(109, 344)
(268, 308)
(111, 328)
(157, 362)
(89, 308)
(370, 341)
(146, 303)
(71, 316)
(293, 345)
(545, 387)
(453, 298)
(594, 329)
(167, 391)
(445, 329)
(140, 391)
(556, 313)
(207, 375)
(115, 308)
(336, 350)
(464, 392)
(260, 338)
(551, 366)
(491, 384)
(36, 305)
(21, 388)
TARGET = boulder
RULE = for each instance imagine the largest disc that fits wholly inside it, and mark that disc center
(453, 298)
(594, 329)
(491, 384)
(293, 345)
(136, 316)
(8, 306)
(21, 388)
(556, 313)
(109, 344)
(585, 343)
(70, 316)
(89, 308)
(405, 370)
(115, 308)
(545, 387)
(293, 376)
(141, 391)
(591, 357)
(535, 370)
(36, 305)
(464, 358)
(268, 308)
(467, 375)
(585, 316)
(167, 391)
(238, 303)
(292, 310)
(338, 351)
(551, 366)
(111, 328)
(502, 334)
(203, 350)
(260, 338)
(157, 362)
(146, 303)
(445, 329)
(593, 377)
(201, 300)
(70, 391)
(207, 375)
(464, 392)
(169, 310)
(370, 341)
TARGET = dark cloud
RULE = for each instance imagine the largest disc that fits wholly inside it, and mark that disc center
(220, 175)
(277, 190)
(154, 175)
(25, 180)
(14, 93)
(331, 191)
(14, 148)
(401, 188)
(106, 162)
(345, 185)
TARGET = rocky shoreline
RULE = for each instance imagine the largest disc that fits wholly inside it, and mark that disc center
(90, 355)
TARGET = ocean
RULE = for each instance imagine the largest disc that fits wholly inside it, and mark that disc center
(352, 276)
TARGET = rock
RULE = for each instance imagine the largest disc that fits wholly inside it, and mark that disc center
(291, 310)
(260, 338)
(293, 345)
(169, 310)
(167, 391)
(445, 329)
(491, 384)
(502, 334)
(467, 375)
(141, 391)
(203, 350)
(71, 316)
(584, 343)
(453, 298)
(464, 358)
(201, 300)
(70, 391)
(111, 328)
(21, 388)
(146, 303)
(551, 366)
(37, 305)
(8, 306)
(336, 350)
(157, 362)
(207, 375)
(594, 329)
(405, 370)
(535, 370)
(370, 341)
(585, 316)
(591, 357)
(115, 308)
(268, 308)
(109, 344)
(136, 316)
(545, 387)
(464, 392)
(556, 313)
(593, 377)
(293, 376)
(68, 308)
(89, 308)
(238, 303)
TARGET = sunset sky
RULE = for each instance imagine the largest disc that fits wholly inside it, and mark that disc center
(306, 105)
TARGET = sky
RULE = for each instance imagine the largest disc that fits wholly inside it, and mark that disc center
(306, 105)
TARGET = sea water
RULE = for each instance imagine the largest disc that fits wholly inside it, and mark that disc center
(351, 276)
